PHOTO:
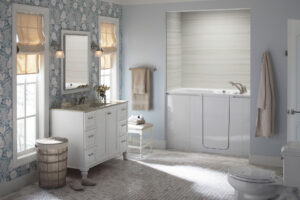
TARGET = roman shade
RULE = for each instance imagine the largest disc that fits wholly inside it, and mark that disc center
(108, 44)
(30, 43)
(30, 34)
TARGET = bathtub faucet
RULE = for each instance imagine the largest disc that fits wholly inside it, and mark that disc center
(242, 88)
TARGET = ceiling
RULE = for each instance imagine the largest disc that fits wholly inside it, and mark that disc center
(133, 2)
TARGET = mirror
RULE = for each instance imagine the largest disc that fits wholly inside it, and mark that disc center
(76, 64)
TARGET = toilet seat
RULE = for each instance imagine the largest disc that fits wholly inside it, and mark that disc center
(253, 175)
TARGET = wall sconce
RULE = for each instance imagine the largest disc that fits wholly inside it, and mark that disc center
(96, 48)
(59, 53)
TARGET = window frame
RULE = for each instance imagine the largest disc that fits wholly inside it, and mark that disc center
(43, 82)
(25, 117)
(116, 71)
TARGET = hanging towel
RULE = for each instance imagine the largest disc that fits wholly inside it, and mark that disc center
(266, 100)
(139, 80)
(141, 101)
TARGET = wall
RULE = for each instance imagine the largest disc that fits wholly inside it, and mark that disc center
(144, 41)
(64, 14)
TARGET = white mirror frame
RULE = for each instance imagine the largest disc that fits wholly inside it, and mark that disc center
(76, 90)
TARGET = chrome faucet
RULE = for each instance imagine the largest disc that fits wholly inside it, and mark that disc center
(242, 88)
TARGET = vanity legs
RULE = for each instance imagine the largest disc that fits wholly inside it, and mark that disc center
(84, 174)
(124, 155)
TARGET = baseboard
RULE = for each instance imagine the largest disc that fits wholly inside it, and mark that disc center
(268, 161)
(16, 184)
(159, 144)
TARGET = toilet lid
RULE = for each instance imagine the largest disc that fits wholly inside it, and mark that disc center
(252, 174)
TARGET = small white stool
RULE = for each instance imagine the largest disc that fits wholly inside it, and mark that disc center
(140, 130)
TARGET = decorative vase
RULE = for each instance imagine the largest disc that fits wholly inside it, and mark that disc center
(102, 98)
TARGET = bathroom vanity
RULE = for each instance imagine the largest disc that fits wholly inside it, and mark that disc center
(96, 132)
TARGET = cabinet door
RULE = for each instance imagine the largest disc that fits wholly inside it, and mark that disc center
(178, 118)
(216, 122)
(112, 132)
(101, 135)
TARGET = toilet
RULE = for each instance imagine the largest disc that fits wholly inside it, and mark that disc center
(253, 183)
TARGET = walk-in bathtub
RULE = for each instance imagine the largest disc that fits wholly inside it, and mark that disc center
(206, 120)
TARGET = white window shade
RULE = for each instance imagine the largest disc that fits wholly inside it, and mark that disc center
(108, 44)
(215, 48)
(174, 53)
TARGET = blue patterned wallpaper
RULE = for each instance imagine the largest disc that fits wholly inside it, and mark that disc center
(80, 15)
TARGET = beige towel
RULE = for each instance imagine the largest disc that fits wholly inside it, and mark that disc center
(139, 80)
(141, 101)
(266, 100)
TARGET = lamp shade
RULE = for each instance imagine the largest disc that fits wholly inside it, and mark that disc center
(98, 53)
(59, 54)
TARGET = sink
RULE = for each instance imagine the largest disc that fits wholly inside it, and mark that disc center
(88, 106)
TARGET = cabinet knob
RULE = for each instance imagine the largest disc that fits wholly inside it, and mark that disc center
(90, 117)
(91, 154)
(90, 136)
(109, 113)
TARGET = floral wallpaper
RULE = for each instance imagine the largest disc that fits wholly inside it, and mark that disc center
(80, 15)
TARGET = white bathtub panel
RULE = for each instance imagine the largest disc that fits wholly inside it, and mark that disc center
(240, 126)
(178, 112)
(216, 122)
(196, 123)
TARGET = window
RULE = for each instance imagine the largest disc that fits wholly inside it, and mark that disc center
(109, 63)
(207, 49)
(30, 101)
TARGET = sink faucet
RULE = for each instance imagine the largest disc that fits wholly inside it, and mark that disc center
(81, 100)
(242, 88)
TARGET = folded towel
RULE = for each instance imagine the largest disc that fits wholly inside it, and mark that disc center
(136, 120)
(139, 80)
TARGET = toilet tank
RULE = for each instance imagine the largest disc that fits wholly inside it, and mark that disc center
(291, 164)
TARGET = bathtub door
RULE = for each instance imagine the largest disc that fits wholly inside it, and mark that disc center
(216, 122)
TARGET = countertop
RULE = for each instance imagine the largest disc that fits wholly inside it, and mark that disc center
(90, 106)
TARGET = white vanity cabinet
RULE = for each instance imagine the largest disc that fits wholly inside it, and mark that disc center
(95, 135)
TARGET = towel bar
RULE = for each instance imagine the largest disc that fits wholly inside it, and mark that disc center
(151, 68)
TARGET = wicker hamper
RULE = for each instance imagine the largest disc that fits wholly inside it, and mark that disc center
(52, 161)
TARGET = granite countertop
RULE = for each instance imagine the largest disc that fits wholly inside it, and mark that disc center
(90, 106)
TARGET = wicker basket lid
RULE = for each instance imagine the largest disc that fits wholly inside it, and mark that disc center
(52, 143)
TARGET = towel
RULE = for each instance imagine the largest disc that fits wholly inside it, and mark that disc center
(136, 120)
(266, 100)
(141, 101)
(139, 80)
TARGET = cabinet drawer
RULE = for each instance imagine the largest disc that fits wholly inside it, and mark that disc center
(123, 127)
(123, 144)
(90, 121)
(90, 156)
(90, 139)
(122, 112)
